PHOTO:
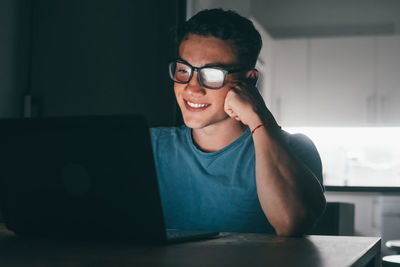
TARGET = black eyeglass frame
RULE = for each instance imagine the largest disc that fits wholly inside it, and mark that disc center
(198, 69)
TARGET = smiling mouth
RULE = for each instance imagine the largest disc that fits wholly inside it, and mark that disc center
(195, 106)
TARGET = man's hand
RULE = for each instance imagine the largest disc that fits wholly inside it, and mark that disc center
(244, 103)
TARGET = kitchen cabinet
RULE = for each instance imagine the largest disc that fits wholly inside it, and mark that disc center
(341, 88)
(289, 82)
(367, 212)
(376, 213)
(337, 81)
(390, 220)
(388, 80)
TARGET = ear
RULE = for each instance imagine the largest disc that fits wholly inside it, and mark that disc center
(252, 76)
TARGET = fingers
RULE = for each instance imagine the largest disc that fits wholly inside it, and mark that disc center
(227, 105)
(249, 93)
(232, 114)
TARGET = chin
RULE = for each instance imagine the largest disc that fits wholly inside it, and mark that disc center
(194, 124)
(200, 124)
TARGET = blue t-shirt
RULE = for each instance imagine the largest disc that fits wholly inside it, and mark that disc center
(215, 191)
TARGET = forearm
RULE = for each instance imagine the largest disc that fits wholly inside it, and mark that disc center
(289, 193)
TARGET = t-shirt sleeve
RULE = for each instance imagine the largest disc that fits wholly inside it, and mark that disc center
(305, 150)
(154, 133)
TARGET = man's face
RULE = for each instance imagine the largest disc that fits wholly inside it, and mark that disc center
(202, 107)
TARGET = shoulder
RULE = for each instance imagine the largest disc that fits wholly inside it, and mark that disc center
(304, 148)
(299, 141)
(168, 135)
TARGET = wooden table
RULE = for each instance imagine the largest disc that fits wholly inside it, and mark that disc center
(230, 249)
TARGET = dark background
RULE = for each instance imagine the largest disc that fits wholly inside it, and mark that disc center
(88, 57)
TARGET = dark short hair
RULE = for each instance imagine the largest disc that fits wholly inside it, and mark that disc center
(226, 25)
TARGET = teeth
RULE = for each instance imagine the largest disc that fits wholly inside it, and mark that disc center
(194, 105)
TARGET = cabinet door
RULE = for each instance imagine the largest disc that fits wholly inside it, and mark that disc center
(367, 211)
(342, 82)
(290, 71)
(388, 80)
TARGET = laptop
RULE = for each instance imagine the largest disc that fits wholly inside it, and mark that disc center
(90, 177)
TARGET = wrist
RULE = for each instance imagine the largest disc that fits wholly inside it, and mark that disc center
(256, 128)
(276, 126)
(254, 122)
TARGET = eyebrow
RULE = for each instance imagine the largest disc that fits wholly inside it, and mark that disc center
(210, 65)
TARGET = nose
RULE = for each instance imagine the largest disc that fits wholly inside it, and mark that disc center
(194, 87)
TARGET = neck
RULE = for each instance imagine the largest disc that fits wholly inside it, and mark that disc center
(217, 136)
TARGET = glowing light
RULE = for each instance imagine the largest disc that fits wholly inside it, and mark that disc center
(360, 156)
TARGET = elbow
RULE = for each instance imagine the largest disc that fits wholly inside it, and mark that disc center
(287, 233)
(300, 223)
(291, 226)
(289, 229)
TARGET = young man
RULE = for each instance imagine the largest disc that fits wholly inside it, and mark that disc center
(231, 167)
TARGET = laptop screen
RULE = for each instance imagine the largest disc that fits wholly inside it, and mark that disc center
(88, 176)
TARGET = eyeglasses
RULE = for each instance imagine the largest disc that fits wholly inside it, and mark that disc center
(209, 77)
